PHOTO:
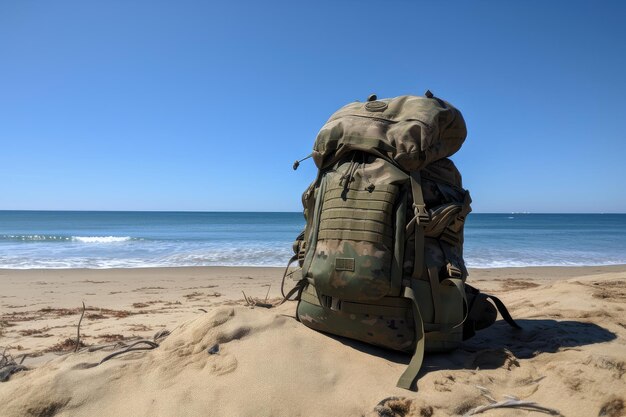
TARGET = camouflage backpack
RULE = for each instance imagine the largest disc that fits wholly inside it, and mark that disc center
(381, 256)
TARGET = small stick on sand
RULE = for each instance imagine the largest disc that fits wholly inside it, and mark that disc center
(250, 302)
(268, 293)
(264, 305)
(245, 297)
(8, 366)
(131, 348)
(510, 402)
(161, 334)
(78, 329)
(486, 393)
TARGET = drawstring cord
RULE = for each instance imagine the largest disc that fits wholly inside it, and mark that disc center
(370, 186)
(297, 163)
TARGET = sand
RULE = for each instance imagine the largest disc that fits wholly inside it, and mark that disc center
(571, 355)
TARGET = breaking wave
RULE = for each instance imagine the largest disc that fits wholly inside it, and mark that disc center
(101, 239)
(147, 239)
(58, 238)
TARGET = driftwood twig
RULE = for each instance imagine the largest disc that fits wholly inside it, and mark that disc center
(131, 348)
(512, 404)
(161, 334)
(251, 302)
(268, 293)
(8, 366)
(78, 329)
(510, 401)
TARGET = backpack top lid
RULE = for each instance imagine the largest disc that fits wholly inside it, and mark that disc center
(412, 131)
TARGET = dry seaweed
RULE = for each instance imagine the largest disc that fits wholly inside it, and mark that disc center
(9, 366)
(250, 302)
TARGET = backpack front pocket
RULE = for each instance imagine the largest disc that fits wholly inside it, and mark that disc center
(354, 252)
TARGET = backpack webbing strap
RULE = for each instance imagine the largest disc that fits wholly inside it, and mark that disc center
(433, 276)
(460, 286)
(438, 304)
(296, 289)
(410, 373)
(311, 242)
(503, 311)
(420, 220)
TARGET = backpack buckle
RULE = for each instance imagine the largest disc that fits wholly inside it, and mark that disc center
(422, 218)
(333, 303)
(453, 271)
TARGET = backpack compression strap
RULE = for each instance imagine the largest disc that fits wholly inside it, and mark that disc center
(419, 222)
(410, 373)
(504, 312)
(297, 289)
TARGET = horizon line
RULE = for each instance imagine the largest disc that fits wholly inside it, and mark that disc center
(271, 211)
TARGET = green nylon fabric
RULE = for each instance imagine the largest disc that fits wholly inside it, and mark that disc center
(410, 130)
(334, 234)
(330, 214)
(312, 232)
(352, 194)
(379, 206)
(357, 225)
(388, 188)
(394, 309)
(433, 276)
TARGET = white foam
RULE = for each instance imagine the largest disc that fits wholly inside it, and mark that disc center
(101, 239)
(34, 238)
(483, 264)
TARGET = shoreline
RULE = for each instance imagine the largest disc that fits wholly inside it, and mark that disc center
(121, 268)
(475, 270)
(559, 270)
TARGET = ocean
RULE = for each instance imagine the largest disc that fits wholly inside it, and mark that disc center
(82, 239)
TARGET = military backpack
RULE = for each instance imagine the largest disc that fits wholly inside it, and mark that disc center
(381, 255)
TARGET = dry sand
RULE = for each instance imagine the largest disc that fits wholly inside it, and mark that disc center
(571, 355)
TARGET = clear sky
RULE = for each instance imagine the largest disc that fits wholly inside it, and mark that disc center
(199, 105)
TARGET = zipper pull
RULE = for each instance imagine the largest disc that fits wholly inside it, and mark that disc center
(297, 163)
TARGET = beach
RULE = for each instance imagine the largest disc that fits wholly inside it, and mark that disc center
(570, 355)
(165, 164)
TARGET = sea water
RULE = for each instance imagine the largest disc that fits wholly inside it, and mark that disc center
(82, 239)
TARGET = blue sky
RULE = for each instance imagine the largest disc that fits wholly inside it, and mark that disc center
(195, 105)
